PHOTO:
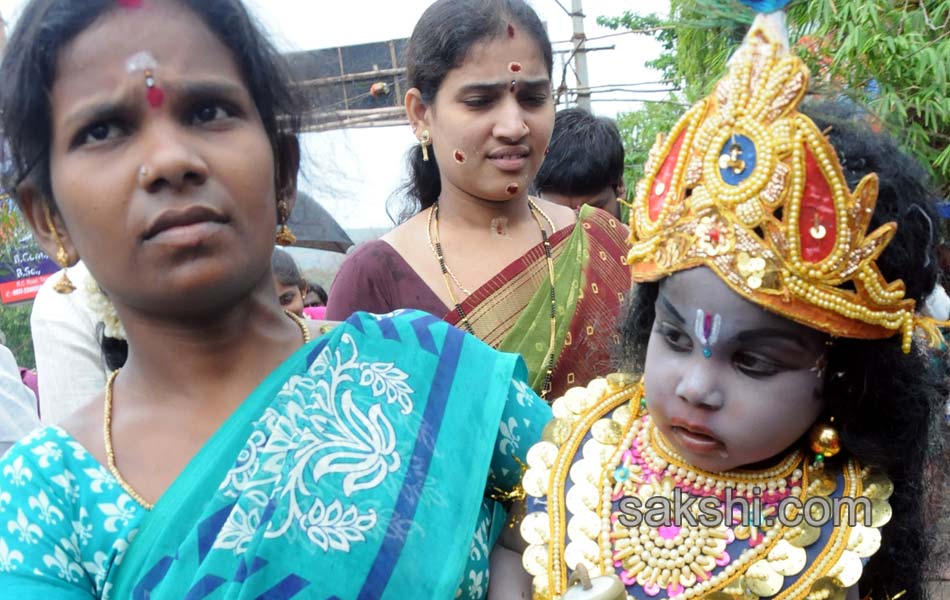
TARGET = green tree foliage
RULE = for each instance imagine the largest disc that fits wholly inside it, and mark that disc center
(639, 130)
(15, 324)
(887, 55)
(14, 320)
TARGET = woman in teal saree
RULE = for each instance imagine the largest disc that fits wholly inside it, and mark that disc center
(226, 458)
(342, 475)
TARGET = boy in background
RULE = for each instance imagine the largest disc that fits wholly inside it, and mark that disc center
(584, 164)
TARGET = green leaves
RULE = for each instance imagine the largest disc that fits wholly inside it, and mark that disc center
(903, 48)
(891, 57)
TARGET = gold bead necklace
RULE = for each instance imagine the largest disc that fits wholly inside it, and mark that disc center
(432, 234)
(437, 252)
(107, 423)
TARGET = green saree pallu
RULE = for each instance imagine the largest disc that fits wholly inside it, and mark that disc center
(512, 311)
(357, 470)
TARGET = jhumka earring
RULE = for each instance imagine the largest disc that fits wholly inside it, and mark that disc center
(823, 440)
(424, 142)
(285, 237)
(64, 285)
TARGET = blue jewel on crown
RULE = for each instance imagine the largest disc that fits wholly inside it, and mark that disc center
(736, 160)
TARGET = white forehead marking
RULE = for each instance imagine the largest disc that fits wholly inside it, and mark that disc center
(140, 62)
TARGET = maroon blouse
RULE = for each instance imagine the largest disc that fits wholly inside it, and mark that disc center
(377, 279)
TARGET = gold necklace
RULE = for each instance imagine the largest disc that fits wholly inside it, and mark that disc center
(432, 235)
(107, 422)
(437, 251)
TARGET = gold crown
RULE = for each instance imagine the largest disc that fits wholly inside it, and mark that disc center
(749, 187)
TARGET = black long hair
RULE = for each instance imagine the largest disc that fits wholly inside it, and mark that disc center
(29, 67)
(440, 42)
(885, 403)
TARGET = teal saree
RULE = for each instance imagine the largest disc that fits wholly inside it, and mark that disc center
(356, 470)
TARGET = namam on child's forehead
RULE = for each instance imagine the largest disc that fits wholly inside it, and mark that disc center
(707, 328)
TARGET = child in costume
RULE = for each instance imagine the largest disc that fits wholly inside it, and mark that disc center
(774, 328)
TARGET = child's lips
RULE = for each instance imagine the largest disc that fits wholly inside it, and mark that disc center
(698, 442)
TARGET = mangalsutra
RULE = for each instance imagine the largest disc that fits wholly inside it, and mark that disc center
(107, 423)
(432, 234)
(436, 247)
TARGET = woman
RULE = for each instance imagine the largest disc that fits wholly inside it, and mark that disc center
(231, 456)
(523, 274)
(785, 406)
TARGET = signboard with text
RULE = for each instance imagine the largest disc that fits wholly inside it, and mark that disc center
(23, 265)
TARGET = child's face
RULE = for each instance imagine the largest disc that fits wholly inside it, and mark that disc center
(754, 395)
(290, 297)
(166, 185)
(489, 136)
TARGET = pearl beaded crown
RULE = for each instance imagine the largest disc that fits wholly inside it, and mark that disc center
(749, 187)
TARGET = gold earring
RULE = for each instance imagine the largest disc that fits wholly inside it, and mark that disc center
(64, 285)
(424, 142)
(824, 441)
(285, 237)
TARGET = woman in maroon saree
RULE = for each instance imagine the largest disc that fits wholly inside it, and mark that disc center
(481, 107)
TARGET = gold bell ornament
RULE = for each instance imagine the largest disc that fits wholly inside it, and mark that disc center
(824, 441)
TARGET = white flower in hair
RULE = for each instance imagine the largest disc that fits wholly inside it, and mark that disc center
(102, 307)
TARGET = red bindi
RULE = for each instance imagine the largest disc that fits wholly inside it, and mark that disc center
(459, 157)
(156, 97)
(130, 3)
(511, 30)
(515, 67)
(512, 188)
(154, 94)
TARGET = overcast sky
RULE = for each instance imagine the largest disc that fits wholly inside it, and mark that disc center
(353, 172)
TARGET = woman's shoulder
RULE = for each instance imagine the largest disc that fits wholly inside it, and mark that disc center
(562, 216)
(64, 520)
(374, 262)
(366, 281)
(379, 277)
(52, 464)
(367, 254)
